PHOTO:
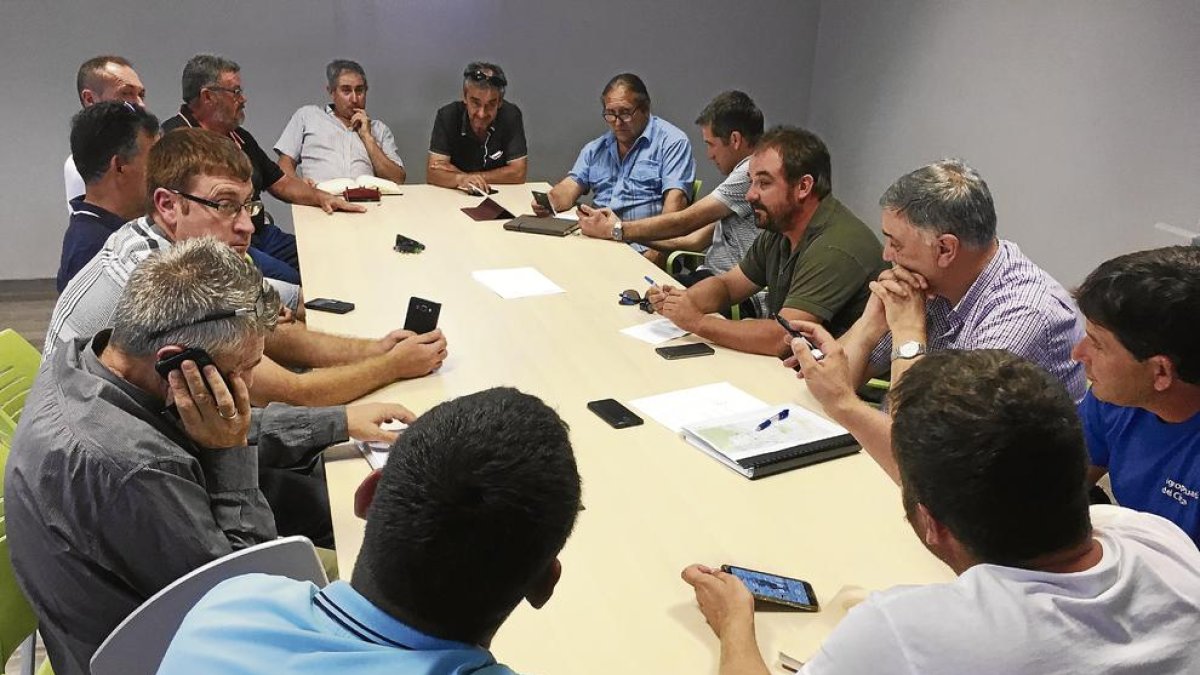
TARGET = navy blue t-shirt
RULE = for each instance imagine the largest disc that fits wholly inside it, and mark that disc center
(89, 228)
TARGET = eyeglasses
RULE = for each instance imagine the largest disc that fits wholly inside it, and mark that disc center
(632, 297)
(497, 80)
(259, 310)
(237, 92)
(225, 207)
(611, 117)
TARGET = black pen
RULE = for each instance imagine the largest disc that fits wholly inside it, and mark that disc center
(816, 353)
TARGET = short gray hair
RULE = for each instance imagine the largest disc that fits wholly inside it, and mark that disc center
(171, 291)
(948, 197)
(338, 66)
(203, 70)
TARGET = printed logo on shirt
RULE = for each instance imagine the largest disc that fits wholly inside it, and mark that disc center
(1179, 492)
(496, 154)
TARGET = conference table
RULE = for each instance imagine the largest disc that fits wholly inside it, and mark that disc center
(653, 503)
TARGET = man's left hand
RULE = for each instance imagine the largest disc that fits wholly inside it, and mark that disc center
(385, 343)
(903, 294)
(330, 203)
(724, 600)
(597, 223)
(679, 308)
(363, 420)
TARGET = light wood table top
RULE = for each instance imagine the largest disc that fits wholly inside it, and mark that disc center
(654, 503)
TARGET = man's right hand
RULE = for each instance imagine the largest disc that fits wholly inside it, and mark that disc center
(657, 295)
(418, 356)
(724, 600)
(828, 379)
(472, 183)
(214, 419)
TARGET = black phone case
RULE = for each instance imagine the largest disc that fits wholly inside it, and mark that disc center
(684, 351)
(422, 315)
(199, 356)
(329, 305)
(611, 411)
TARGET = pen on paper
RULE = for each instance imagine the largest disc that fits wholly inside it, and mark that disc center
(777, 417)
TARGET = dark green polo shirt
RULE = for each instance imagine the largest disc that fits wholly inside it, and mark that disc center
(827, 274)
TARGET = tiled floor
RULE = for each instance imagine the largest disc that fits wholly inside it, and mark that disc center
(25, 306)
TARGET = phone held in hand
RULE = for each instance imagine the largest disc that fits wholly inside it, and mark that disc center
(329, 305)
(200, 357)
(422, 316)
(776, 589)
(618, 416)
(684, 351)
(543, 200)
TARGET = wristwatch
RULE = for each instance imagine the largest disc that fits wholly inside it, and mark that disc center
(908, 350)
(618, 234)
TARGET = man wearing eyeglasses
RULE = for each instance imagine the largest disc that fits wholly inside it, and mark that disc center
(199, 184)
(129, 470)
(339, 139)
(214, 100)
(642, 167)
(102, 78)
(479, 140)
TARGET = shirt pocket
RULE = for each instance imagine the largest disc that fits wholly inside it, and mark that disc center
(645, 180)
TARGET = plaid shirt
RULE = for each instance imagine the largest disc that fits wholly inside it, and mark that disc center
(1012, 305)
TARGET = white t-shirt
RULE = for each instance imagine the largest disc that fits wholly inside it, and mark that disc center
(1136, 611)
(72, 180)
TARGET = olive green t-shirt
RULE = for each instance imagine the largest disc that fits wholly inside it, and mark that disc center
(827, 274)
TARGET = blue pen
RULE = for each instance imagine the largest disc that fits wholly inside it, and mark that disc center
(649, 280)
(777, 417)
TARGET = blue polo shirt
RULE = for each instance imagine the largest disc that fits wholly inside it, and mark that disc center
(259, 623)
(87, 231)
(1154, 465)
(661, 160)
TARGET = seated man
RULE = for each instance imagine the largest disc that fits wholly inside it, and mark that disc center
(642, 167)
(121, 481)
(109, 144)
(1141, 417)
(102, 78)
(479, 140)
(214, 100)
(954, 285)
(991, 470)
(721, 224)
(814, 256)
(339, 139)
(491, 471)
(199, 184)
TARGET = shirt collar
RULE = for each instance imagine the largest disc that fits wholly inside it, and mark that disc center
(79, 206)
(984, 282)
(647, 134)
(185, 113)
(360, 616)
(89, 356)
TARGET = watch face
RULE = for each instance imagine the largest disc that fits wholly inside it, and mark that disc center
(909, 349)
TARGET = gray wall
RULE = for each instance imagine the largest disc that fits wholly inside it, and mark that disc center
(1080, 114)
(558, 55)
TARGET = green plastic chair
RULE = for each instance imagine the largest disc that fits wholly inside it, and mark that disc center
(17, 621)
(19, 363)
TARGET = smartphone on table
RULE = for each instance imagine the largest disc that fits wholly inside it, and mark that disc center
(776, 589)
(330, 305)
(618, 416)
(684, 351)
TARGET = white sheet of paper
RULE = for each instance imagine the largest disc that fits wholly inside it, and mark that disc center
(517, 282)
(570, 214)
(674, 409)
(655, 332)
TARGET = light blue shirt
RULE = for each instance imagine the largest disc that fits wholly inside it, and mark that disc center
(660, 160)
(325, 148)
(259, 623)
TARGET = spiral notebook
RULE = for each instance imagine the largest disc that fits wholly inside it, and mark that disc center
(768, 441)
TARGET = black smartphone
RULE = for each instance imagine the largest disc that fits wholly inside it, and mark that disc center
(543, 200)
(776, 589)
(817, 354)
(684, 351)
(408, 245)
(330, 305)
(422, 315)
(618, 416)
(164, 366)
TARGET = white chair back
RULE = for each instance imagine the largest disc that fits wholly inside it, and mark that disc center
(138, 644)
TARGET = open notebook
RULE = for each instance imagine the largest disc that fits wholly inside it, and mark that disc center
(800, 439)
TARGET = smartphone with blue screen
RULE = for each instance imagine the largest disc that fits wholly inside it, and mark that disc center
(776, 589)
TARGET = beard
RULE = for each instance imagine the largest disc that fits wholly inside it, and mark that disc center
(765, 220)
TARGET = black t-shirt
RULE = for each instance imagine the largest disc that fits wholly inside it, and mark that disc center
(265, 172)
(452, 136)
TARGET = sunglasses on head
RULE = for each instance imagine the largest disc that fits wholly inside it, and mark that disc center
(498, 81)
(632, 297)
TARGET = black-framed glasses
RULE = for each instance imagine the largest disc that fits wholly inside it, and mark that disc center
(225, 207)
(626, 117)
(237, 92)
(632, 297)
(258, 310)
(496, 80)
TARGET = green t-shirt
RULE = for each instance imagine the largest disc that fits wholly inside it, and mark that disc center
(827, 274)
